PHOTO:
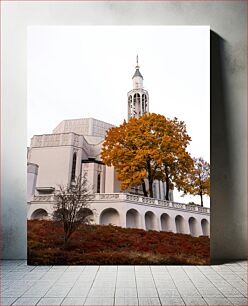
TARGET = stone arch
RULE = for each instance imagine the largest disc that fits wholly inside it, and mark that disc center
(110, 216)
(39, 214)
(132, 218)
(144, 103)
(87, 215)
(150, 220)
(165, 220)
(180, 224)
(193, 226)
(205, 227)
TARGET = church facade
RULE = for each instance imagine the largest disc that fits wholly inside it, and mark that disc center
(74, 148)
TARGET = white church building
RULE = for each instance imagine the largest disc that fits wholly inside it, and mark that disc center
(74, 147)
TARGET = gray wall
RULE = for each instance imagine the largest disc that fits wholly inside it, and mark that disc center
(228, 104)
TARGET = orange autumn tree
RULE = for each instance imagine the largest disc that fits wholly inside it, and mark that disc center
(151, 147)
(198, 179)
(177, 162)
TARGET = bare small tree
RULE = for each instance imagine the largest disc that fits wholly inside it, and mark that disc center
(198, 179)
(72, 206)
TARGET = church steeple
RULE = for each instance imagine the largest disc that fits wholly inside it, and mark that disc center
(138, 99)
(137, 72)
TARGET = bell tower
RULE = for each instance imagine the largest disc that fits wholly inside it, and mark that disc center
(138, 98)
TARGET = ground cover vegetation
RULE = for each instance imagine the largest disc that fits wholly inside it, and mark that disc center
(108, 244)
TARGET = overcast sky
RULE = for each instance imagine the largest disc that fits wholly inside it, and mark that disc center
(86, 71)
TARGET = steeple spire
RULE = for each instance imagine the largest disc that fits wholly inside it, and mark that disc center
(137, 62)
(137, 72)
(138, 99)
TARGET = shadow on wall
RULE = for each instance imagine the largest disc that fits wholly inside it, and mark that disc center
(223, 227)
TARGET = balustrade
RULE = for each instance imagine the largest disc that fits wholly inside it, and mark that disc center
(134, 198)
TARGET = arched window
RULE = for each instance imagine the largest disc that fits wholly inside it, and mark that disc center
(130, 100)
(130, 106)
(73, 169)
(98, 188)
(143, 103)
(134, 99)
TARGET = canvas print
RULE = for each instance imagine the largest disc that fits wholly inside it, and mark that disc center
(118, 160)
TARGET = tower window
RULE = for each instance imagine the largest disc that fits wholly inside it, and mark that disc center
(130, 100)
(136, 98)
(143, 103)
(98, 189)
(73, 170)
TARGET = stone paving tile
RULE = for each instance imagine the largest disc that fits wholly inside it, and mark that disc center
(122, 301)
(145, 283)
(58, 291)
(161, 276)
(85, 280)
(126, 283)
(7, 300)
(189, 293)
(213, 293)
(10, 292)
(217, 301)
(41, 269)
(74, 301)
(123, 276)
(165, 285)
(125, 268)
(224, 285)
(108, 268)
(149, 301)
(50, 301)
(58, 268)
(99, 301)
(79, 291)
(103, 283)
(167, 301)
(147, 292)
(165, 292)
(75, 269)
(26, 301)
(194, 301)
(15, 275)
(126, 292)
(33, 276)
(229, 291)
(239, 301)
(91, 268)
(106, 273)
(102, 292)
(38, 290)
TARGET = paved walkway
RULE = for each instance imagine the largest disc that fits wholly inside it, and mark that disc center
(123, 285)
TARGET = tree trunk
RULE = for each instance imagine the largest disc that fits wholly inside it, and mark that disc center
(201, 199)
(144, 188)
(65, 240)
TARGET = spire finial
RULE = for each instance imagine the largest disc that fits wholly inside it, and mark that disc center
(137, 61)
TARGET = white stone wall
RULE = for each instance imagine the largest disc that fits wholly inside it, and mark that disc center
(54, 165)
(128, 210)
